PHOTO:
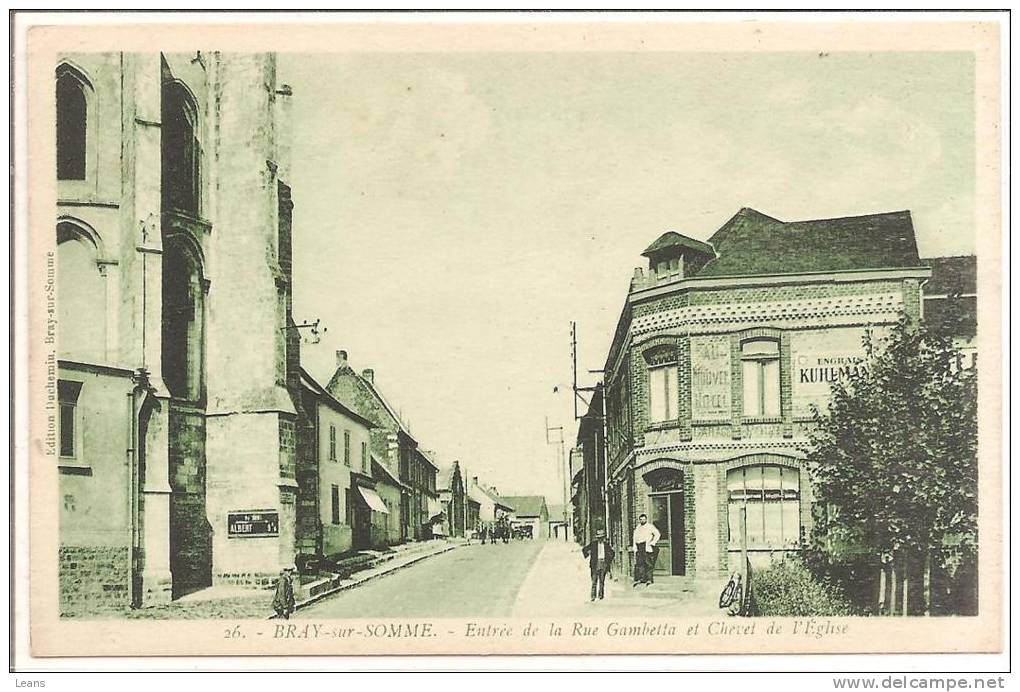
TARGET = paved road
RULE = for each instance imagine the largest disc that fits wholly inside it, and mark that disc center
(470, 581)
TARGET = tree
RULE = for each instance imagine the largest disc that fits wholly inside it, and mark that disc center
(894, 458)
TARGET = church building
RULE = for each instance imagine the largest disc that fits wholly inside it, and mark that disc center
(178, 386)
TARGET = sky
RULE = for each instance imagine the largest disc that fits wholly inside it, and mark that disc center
(455, 212)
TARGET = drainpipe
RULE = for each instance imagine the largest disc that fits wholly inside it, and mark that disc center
(139, 399)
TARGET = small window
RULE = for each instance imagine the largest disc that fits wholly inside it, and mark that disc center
(347, 447)
(364, 457)
(668, 270)
(67, 395)
(335, 504)
(332, 443)
(760, 367)
(72, 126)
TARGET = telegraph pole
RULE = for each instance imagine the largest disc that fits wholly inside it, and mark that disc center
(564, 469)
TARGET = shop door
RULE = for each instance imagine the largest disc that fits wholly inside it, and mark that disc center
(668, 516)
(361, 525)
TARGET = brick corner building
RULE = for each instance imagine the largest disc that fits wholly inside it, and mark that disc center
(721, 351)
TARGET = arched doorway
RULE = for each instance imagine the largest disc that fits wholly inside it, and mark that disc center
(666, 506)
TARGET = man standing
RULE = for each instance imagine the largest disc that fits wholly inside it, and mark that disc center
(646, 536)
(283, 599)
(600, 558)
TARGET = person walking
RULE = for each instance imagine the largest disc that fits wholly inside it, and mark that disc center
(283, 599)
(600, 559)
(643, 545)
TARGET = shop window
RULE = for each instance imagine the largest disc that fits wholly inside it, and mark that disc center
(760, 364)
(72, 125)
(662, 393)
(67, 396)
(347, 448)
(180, 151)
(770, 495)
(335, 505)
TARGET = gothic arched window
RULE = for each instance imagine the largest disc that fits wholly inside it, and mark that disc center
(72, 123)
(81, 294)
(183, 345)
(179, 149)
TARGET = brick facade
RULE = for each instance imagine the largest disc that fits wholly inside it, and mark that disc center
(93, 579)
(812, 318)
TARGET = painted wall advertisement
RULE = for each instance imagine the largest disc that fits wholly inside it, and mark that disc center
(818, 359)
(710, 377)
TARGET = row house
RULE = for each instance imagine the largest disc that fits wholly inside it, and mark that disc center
(173, 237)
(721, 352)
(338, 508)
(395, 450)
(425, 505)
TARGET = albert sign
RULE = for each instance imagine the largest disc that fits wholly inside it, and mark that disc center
(253, 524)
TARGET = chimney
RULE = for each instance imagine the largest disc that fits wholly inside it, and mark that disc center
(341, 359)
(369, 374)
(494, 491)
(474, 480)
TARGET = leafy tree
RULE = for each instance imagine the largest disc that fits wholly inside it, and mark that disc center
(894, 458)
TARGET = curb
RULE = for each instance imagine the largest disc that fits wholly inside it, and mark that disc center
(355, 583)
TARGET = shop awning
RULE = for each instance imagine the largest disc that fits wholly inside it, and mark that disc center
(375, 502)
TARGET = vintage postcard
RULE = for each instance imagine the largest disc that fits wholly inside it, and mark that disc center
(495, 335)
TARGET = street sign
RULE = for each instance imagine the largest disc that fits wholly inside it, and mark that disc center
(253, 524)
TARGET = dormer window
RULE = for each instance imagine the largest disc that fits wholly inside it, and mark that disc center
(669, 270)
(674, 257)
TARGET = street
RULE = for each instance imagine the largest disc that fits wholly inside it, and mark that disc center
(518, 579)
(472, 581)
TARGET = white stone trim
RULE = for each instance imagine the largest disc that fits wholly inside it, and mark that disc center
(736, 315)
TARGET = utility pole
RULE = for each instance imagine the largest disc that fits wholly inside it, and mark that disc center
(564, 469)
(602, 449)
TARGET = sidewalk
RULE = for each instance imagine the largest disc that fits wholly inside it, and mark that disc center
(226, 601)
(559, 584)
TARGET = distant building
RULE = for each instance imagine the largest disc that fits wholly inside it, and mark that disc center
(529, 511)
(491, 507)
(474, 523)
(450, 485)
(560, 521)
(720, 352)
